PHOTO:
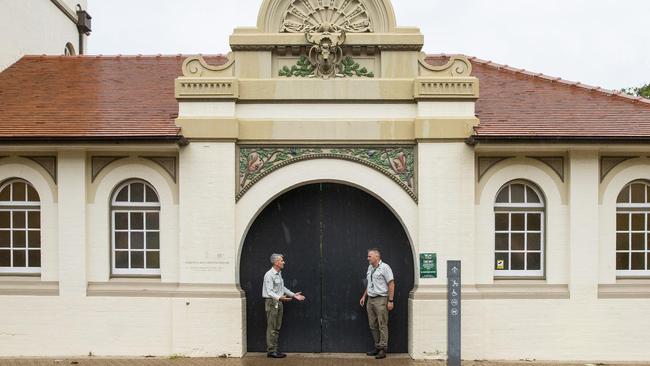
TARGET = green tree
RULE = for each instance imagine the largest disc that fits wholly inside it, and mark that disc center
(643, 91)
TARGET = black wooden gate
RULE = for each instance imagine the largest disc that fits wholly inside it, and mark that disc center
(324, 231)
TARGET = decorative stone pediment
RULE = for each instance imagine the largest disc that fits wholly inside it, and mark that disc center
(313, 50)
(317, 16)
(301, 16)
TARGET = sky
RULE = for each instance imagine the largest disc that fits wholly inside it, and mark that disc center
(597, 42)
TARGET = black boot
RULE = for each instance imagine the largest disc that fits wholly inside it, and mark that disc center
(374, 352)
(381, 354)
(275, 354)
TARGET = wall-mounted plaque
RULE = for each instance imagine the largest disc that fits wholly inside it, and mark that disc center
(428, 265)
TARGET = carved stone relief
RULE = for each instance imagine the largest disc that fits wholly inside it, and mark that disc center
(347, 68)
(303, 16)
(396, 162)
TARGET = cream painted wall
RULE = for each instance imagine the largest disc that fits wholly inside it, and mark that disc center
(35, 28)
(454, 218)
(582, 326)
(572, 314)
(207, 213)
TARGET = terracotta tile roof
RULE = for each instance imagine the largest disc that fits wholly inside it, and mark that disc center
(90, 97)
(132, 97)
(515, 103)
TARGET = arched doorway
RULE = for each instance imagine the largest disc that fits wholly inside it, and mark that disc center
(324, 230)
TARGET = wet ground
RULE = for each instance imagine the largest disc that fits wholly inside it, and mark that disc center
(261, 360)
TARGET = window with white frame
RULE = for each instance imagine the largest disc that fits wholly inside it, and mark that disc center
(519, 231)
(20, 228)
(135, 213)
(632, 228)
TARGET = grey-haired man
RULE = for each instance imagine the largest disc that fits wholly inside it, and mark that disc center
(274, 293)
(381, 293)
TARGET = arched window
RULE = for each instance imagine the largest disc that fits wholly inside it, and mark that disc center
(135, 212)
(519, 231)
(20, 228)
(632, 228)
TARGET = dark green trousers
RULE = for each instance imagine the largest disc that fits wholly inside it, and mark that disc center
(274, 310)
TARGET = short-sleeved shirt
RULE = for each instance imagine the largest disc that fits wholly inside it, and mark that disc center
(273, 287)
(378, 279)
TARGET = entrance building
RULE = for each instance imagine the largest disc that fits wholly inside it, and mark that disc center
(141, 197)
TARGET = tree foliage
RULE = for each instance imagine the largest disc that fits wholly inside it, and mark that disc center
(642, 91)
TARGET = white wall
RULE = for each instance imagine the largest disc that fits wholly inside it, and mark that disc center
(195, 309)
(566, 316)
(35, 27)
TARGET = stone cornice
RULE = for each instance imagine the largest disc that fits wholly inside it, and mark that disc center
(311, 89)
(267, 41)
(207, 88)
(436, 88)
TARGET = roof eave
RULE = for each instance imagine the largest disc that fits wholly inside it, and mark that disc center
(177, 139)
(517, 139)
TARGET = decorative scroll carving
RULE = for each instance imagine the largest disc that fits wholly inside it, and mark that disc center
(484, 164)
(168, 163)
(455, 67)
(607, 163)
(304, 16)
(554, 162)
(46, 162)
(98, 163)
(196, 66)
(396, 162)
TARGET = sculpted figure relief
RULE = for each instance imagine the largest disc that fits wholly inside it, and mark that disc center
(326, 53)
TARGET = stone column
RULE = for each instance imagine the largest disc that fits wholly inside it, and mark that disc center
(207, 245)
(583, 225)
(446, 186)
(72, 222)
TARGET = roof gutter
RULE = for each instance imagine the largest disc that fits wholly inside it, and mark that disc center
(179, 139)
(476, 139)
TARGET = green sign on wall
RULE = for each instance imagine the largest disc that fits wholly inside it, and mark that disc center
(428, 265)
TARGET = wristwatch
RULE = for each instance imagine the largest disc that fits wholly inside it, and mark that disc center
(389, 300)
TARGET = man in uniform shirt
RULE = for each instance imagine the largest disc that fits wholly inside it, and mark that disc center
(274, 293)
(380, 291)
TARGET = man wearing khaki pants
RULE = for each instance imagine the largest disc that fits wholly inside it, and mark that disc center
(380, 291)
(274, 294)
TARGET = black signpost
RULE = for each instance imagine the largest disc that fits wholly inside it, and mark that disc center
(453, 313)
